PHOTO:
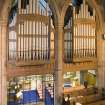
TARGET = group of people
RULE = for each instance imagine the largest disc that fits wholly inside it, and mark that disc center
(66, 100)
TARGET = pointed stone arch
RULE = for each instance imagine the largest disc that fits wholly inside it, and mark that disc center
(93, 4)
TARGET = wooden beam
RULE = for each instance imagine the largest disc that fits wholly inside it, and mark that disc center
(33, 17)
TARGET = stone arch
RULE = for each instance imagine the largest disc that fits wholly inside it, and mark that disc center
(64, 9)
(55, 10)
(91, 3)
(6, 6)
(5, 9)
(99, 19)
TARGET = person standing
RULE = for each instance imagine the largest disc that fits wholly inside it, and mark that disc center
(68, 101)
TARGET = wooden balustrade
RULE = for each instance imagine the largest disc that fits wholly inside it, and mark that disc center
(83, 92)
(77, 66)
(84, 100)
(85, 96)
(101, 102)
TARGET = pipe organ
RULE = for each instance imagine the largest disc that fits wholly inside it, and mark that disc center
(68, 38)
(84, 34)
(31, 38)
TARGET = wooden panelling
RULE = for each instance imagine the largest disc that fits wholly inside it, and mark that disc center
(80, 66)
(33, 17)
(29, 70)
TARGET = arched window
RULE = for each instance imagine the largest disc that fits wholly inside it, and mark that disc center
(30, 31)
(80, 33)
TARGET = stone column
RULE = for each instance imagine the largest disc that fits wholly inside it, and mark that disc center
(58, 64)
(3, 84)
(101, 59)
(101, 66)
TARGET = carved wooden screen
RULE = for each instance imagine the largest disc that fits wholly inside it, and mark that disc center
(84, 34)
(32, 28)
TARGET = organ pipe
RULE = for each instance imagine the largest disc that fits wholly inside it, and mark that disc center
(33, 36)
(84, 36)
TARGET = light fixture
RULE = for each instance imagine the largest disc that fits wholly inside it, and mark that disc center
(103, 36)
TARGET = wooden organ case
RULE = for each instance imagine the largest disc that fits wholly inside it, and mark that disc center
(80, 35)
(31, 40)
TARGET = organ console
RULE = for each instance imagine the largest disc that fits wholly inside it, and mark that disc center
(83, 34)
(30, 40)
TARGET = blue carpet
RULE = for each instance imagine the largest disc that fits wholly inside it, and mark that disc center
(28, 97)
